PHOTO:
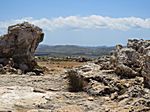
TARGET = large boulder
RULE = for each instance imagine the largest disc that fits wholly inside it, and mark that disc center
(18, 46)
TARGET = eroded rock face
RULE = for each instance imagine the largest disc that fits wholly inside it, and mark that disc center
(120, 78)
(108, 73)
(130, 61)
(18, 46)
(134, 60)
(127, 62)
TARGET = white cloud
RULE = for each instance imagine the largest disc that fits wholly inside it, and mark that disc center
(79, 22)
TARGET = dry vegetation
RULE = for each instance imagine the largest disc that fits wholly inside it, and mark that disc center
(55, 67)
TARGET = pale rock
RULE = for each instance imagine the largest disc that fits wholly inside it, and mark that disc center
(70, 108)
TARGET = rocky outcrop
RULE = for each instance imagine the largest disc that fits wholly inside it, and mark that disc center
(125, 92)
(121, 77)
(127, 62)
(18, 46)
(130, 61)
(134, 60)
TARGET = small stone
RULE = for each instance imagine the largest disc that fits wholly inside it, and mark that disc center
(19, 72)
(31, 73)
(114, 96)
(122, 97)
(106, 98)
(37, 90)
(90, 98)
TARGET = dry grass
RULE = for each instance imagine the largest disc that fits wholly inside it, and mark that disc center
(55, 67)
(76, 82)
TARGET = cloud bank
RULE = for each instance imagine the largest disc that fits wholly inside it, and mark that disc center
(79, 22)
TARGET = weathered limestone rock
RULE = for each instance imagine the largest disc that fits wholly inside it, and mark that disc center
(134, 60)
(135, 44)
(125, 71)
(19, 45)
(127, 62)
(146, 71)
(130, 61)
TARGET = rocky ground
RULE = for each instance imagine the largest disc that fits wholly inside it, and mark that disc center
(49, 92)
(23, 93)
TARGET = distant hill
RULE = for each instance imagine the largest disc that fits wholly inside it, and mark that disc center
(72, 50)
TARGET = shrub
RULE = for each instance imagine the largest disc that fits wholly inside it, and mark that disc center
(76, 82)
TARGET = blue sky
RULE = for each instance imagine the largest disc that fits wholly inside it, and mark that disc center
(81, 22)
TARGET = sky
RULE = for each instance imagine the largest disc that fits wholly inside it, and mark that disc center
(81, 22)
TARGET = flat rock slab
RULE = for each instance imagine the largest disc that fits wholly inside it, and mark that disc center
(12, 97)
